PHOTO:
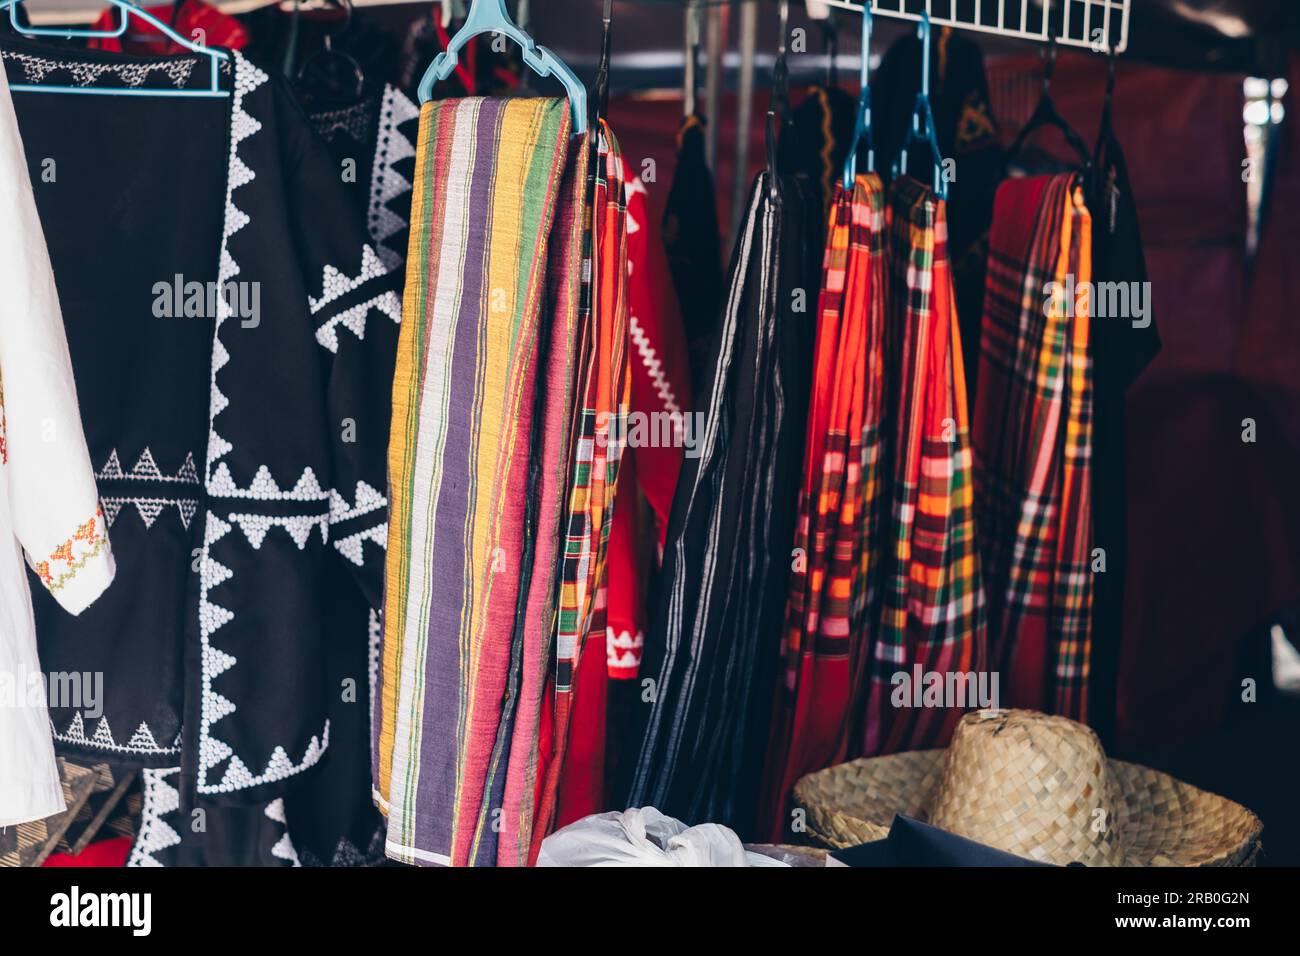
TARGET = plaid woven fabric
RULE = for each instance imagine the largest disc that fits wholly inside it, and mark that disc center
(933, 607)
(1033, 443)
(600, 429)
(830, 615)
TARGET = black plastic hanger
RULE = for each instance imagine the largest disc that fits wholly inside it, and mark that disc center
(330, 52)
(600, 91)
(831, 38)
(778, 110)
(1046, 114)
(1106, 128)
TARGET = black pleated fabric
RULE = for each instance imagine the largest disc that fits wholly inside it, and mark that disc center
(712, 646)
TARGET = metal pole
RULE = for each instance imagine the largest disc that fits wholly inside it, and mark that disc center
(713, 83)
(692, 34)
(744, 111)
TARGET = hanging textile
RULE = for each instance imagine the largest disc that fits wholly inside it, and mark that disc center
(331, 813)
(232, 836)
(815, 144)
(377, 133)
(487, 185)
(1033, 443)
(712, 647)
(518, 770)
(967, 131)
(693, 241)
(189, 18)
(271, 298)
(601, 419)
(49, 508)
(657, 433)
(834, 590)
(1121, 347)
(933, 605)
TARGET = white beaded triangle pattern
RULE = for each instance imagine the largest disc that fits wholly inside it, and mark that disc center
(367, 498)
(160, 799)
(353, 546)
(242, 126)
(222, 484)
(299, 527)
(284, 848)
(141, 742)
(239, 777)
(386, 183)
(354, 318)
(335, 284)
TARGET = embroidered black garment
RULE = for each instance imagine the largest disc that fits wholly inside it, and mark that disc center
(240, 443)
(376, 135)
(116, 224)
(712, 646)
(330, 813)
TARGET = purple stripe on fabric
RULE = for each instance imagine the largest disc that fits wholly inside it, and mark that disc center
(441, 742)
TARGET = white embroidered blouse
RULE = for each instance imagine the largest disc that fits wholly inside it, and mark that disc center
(49, 509)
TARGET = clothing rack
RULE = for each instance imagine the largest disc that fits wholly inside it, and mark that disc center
(1096, 25)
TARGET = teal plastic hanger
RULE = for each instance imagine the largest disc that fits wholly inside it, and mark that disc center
(922, 128)
(862, 117)
(128, 10)
(490, 16)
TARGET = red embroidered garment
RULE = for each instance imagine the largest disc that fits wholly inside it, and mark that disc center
(198, 21)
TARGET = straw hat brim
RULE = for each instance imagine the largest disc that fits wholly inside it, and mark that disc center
(1162, 821)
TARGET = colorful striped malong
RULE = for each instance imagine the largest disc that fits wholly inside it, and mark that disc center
(933, 603)
(552, 447)
(487, 182)
(833, 603)
(605, 389)
(1033, 443)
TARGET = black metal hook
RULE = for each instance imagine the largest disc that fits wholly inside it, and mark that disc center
(600, 101)
(1049, 64)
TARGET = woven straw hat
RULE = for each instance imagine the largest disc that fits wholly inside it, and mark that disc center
(1039, 787)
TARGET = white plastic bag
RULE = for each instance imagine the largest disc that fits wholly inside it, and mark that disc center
(645, 837)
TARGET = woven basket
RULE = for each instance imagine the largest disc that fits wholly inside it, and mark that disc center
(1032, 785)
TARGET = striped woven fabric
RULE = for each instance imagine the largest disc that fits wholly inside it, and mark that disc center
(716, 617)
(515, 767)
(600, 419)
(1033, 443)
(487, 185)
(833, 601)
(933, 605)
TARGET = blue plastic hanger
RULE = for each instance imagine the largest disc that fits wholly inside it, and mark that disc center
(490, 16)
(862, 119)
(128, 10)
(922, 127)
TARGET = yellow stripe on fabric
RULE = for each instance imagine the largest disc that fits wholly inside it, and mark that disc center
(405, 398)
(514, 280)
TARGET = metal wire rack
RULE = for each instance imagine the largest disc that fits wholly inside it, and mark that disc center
(1097, 25)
